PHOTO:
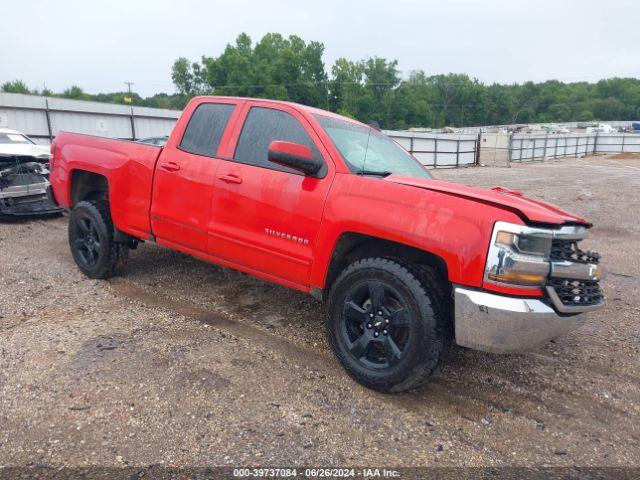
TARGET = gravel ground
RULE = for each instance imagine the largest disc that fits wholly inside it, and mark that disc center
(183, 363)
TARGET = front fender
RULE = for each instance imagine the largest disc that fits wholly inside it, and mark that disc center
(456, 229)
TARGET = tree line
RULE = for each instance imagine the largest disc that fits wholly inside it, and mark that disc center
(288, 68)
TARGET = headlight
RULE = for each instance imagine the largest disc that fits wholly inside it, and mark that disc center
(518, 255)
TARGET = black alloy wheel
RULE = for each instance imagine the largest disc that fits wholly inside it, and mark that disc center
(92, 242)
(86, 241)
(389, 322)
(375, 324)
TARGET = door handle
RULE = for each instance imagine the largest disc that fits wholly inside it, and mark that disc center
(170, 166)
(231, 178)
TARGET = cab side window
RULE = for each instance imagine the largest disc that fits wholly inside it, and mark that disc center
(263, 126)
(206, 126)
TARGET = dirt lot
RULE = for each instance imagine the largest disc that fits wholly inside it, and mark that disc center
(183, 363)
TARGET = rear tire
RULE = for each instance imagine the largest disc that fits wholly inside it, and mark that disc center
(389, 323)
(91, 239)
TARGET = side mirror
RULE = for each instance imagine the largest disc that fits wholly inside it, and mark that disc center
(294, 155)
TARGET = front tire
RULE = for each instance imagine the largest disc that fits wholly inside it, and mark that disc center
(91, 239)
(388, 323)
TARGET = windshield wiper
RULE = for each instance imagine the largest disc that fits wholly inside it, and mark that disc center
(373, 172)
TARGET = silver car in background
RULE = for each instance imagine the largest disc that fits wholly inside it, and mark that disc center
(24, 176)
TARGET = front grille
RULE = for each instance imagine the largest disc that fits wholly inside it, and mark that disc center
(568, 250)
(26, 199)
(576, 293)
(27, 178)
(573, 293)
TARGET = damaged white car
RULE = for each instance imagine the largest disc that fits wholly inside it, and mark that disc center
(24, 176)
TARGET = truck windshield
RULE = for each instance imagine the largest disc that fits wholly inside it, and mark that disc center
(369, 152)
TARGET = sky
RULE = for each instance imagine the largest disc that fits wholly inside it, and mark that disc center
(101, 45)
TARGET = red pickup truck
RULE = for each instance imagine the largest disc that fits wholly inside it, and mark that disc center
(330, 206)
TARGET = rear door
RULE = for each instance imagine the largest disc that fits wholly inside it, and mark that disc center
(184, 177)
(266, 216)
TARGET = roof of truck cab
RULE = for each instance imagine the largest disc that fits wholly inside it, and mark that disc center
(298, 106)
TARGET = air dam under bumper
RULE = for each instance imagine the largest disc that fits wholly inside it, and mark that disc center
(499, 324)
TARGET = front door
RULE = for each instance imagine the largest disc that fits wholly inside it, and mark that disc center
(184, 178)
(266, 216)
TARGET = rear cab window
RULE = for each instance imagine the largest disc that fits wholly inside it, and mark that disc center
(205, 128)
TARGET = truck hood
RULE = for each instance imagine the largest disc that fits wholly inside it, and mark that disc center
(527, 208)
(24, 149)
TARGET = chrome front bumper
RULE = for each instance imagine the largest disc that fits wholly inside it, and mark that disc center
(500, 324)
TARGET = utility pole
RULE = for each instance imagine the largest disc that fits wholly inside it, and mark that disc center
(128, 84)
(133, 126)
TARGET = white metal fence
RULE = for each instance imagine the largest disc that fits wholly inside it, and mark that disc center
(523, 148)
(42, 117)
(440, 150)
(623, 124)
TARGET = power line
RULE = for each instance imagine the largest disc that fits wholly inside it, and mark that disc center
(406, 83)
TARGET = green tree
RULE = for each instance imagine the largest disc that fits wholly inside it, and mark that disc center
(381, 78)
(346, 87)
(118, 97)
(75, 92)
(188, 78)
(233, 72)
(15, 86)
(412, 103)
(288, 68)
(276, 67)
(608, 108)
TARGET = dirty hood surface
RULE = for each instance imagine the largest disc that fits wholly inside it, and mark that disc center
(24, 149)
(529, 208)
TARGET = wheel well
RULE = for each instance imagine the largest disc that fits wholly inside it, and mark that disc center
(93, 186)
(88, 186)
(354, 246)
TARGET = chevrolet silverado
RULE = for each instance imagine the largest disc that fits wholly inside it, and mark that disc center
(324, 204)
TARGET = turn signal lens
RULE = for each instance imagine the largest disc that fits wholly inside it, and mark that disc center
(505, 238)
(518, 278)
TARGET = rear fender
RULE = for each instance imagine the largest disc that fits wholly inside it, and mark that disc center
(128, 168)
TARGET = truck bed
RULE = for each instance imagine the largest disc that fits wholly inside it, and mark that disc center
(130, 162)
